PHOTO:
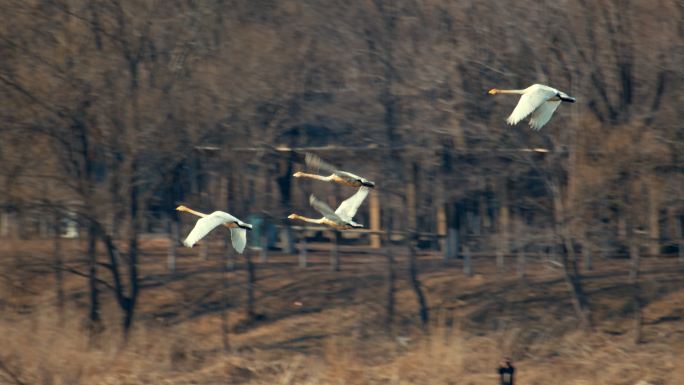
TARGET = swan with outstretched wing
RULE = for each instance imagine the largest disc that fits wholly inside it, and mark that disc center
(538, 101)
(341, 218)
(206, 223)
(336, 175)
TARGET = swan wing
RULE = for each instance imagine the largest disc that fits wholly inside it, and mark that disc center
(351, 177)
(228, 218)
(543, 114)
(203, 227)
(322, 208)
(349, 206)
(530, 101)
(238, 237)
(314, 161)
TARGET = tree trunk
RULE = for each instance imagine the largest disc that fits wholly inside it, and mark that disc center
(635, 260)
(225, 327)
(500, 262)
(622, 227)
(391, 274)
(503, 247)
(4, 224)
(417, 285)
(228, 251)
(411, 199)
(251, 282)
(671, 227)
(95, 322)
(174, 235)
(204, 248)
(573, 280)
(302, 251)
(334, 252)
(285, 187)
(263, 241)
(521, 262)
(586, 254)
(128, 302)
(58, 266)
(391, 290)
(653, 222)
(287, 240)
(569, 259)
(467, 262)
(485, 223)
(452, 244)
(474, 222)
(680, 237)
(442, 229)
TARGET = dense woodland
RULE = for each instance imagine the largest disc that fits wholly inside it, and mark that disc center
(114, 112)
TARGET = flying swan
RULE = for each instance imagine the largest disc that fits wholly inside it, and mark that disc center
(538, 101)
(341, 218)
(338, 176)
(238, 228)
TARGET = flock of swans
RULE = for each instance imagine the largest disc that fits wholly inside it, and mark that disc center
(538, 101)
(340, 219)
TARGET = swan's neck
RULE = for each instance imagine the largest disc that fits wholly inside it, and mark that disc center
(305, 219)
(191, 211)
(497, 91)
(312, 176)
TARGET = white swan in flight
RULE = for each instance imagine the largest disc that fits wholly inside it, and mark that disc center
(238, 228)
(341, 218)
(538, 101)
(338, 176)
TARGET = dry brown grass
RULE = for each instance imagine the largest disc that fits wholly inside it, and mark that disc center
(337, 336)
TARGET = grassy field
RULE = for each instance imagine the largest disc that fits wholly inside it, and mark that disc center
(322, 327)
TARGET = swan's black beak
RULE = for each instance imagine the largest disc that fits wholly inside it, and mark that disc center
(568, 99)
(246, 226)
(368, 183)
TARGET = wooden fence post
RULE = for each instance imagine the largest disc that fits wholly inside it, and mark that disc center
(374, 203)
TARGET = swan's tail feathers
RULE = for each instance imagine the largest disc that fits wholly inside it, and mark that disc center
(238, 237)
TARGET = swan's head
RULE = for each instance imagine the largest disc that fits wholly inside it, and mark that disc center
(566, 98)
(181, 208)
(368, 183)
(292, 216)
(493, 91)
(298, 174)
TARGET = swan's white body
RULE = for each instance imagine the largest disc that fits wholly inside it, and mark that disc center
(538, 101)
(338, 176)
(238, 228)
(341, 218)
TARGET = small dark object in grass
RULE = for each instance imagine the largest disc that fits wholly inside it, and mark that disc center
(506, 371)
